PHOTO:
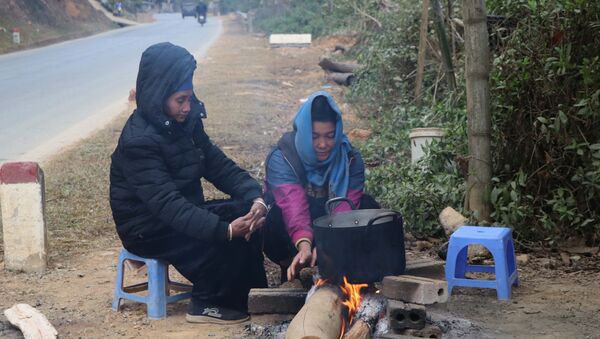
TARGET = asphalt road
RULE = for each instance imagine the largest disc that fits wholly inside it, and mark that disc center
(45, 91)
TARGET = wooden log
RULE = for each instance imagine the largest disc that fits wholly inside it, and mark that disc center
(371, 309)
(359, 330)
(31, 322)
(340, 67)
(276, 300)
(345, 79)
(319, 318)
(340, 48)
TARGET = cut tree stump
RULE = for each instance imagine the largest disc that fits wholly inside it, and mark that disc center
(320, 317)
(31, 322)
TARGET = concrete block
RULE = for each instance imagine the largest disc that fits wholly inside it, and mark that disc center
(276, 300)
(427, 268)
(23, 222)
(282, 40)
(403, 315)
(417, 290)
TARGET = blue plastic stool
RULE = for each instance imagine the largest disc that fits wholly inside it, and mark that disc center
(158, 286)
(498, 240)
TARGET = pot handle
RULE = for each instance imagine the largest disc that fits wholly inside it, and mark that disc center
(328, 204)
(393, 214)
(383, 215)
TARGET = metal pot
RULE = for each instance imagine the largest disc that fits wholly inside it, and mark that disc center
(362, 245)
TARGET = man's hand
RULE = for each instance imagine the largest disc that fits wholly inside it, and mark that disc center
(303, 258)
(240, 226)
(257, 216)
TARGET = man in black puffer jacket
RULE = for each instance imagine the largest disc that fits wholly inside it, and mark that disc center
(157, 199)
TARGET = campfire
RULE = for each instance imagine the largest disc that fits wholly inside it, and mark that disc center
(351, 308)
(346, 310)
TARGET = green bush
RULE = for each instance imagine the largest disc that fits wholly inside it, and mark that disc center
(299, 17)
(384, 93)
(418, 191)
(546, 89)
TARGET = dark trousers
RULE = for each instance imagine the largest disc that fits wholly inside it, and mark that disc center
(222, 272)
(277, 244)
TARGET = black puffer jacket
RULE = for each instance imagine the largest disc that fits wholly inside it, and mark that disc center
(157, 165)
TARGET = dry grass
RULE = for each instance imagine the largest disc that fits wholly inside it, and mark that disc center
(77, 208)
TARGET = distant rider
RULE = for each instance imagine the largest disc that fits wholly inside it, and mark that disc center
(201, 9)
(119, 8)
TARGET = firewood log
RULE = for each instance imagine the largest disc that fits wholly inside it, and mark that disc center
(31, 322)
(319, 318)
(341, 67)
(359, 330)
(345, 79)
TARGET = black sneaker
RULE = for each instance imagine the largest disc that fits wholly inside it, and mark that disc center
(210, 314)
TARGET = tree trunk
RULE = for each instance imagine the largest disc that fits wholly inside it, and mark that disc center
(444, 44)
(477, 67)
(422, 50)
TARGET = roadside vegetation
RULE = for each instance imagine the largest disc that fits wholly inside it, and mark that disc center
(45, 22)
(545, 90)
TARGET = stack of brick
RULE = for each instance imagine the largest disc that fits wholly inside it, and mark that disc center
(408, 296)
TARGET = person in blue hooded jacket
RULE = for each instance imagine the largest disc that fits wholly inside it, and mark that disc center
(157, 199)
(310, 165)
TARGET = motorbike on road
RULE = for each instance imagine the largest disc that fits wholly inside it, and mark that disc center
(201, 20)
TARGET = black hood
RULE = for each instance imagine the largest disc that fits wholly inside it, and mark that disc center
(164, 67)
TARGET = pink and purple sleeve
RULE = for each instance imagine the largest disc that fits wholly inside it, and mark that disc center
(290, 196)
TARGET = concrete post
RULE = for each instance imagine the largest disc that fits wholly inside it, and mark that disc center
(16, 34)
(23, 205)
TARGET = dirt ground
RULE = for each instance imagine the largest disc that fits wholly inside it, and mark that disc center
(251, 92)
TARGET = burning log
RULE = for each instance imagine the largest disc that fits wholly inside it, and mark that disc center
(320, 317)
(360, 330)
(372, 308)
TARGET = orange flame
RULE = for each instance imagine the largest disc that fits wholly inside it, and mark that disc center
(352, 301)
(320, 282)
(352, 292)
(342, 329)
